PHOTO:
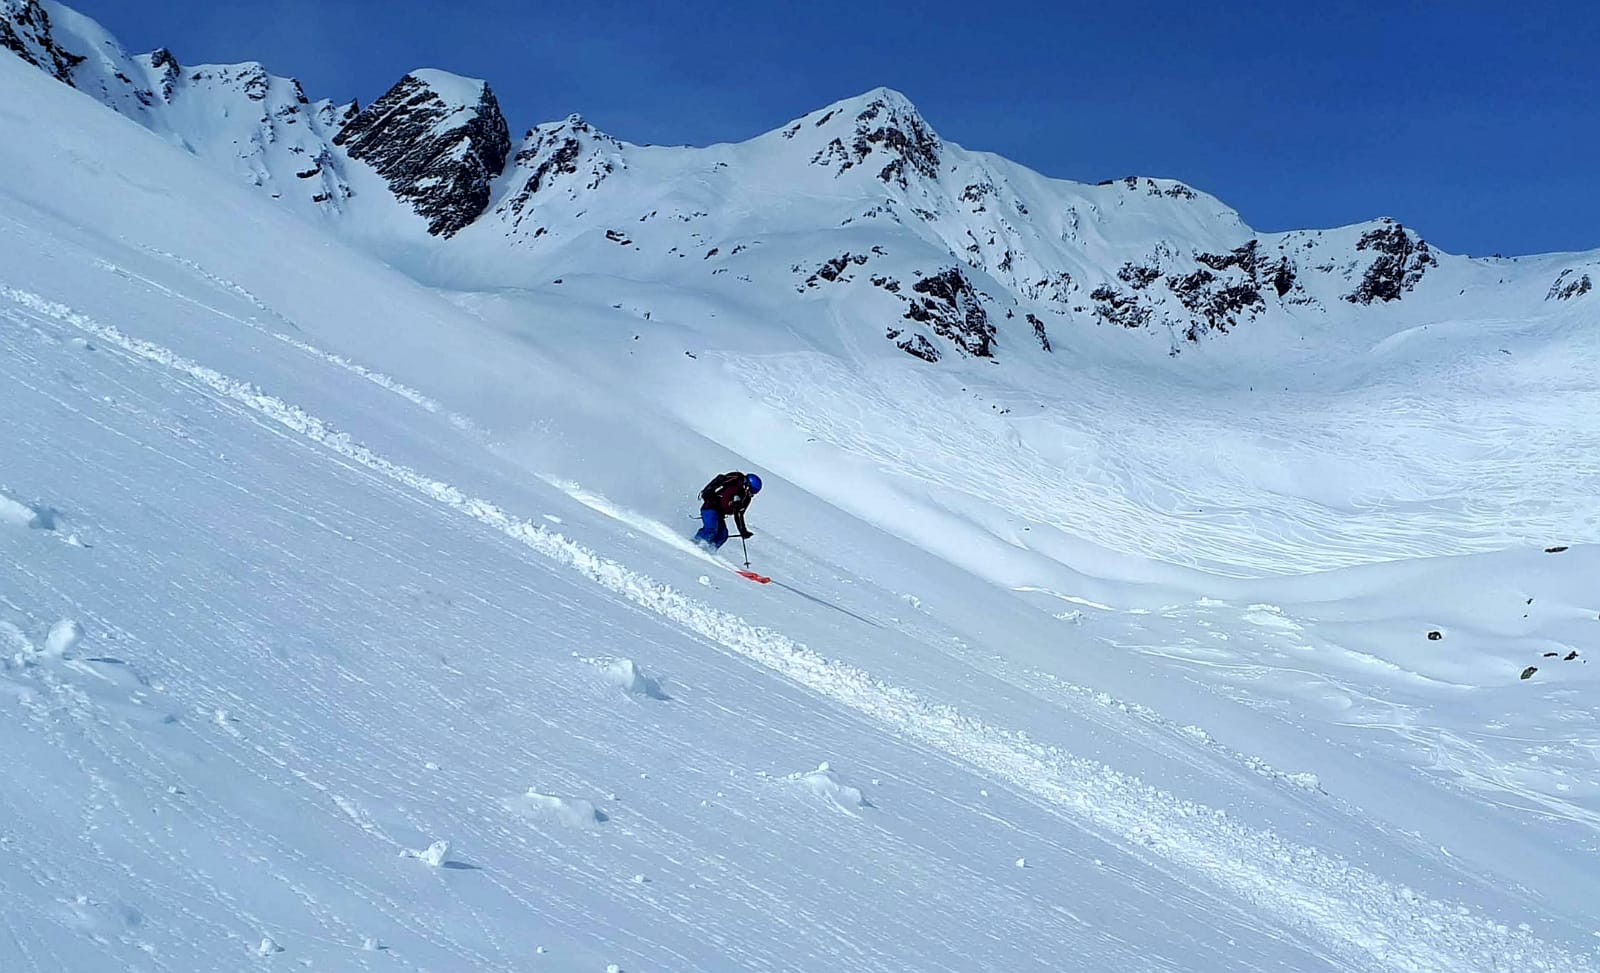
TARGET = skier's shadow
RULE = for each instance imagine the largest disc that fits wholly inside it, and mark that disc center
(826, 604)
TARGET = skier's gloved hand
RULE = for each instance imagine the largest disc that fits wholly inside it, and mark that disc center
(747, 534)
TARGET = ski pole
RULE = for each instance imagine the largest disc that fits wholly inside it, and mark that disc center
(746, 550)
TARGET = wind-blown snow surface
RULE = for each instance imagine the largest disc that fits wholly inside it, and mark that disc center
(339, 628)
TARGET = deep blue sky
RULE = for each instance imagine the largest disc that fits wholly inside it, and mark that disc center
(1476, 122)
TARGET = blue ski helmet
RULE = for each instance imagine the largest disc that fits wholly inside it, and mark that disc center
(754, 482)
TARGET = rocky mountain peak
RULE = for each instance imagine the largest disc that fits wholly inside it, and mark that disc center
(880, 130)
(439, 140)
(567, 156)
(1401, 258)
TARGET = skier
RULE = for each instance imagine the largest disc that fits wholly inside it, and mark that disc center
(729, 493)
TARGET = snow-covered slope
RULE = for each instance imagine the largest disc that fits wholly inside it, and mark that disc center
(349, 623)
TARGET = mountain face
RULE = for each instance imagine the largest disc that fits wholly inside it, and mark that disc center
(238, 117)
(885, 228)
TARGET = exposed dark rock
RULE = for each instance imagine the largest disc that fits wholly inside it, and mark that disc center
(1138, 277)
(1555, 550)
(169, 71)
(1114, 307)
(1435, 636)
(833, 154)
(975, 194)
(1569, 284)
(901, 132)
(25, 30)
(834, 269)
(257, 84)
(439, 157)
(1039, 332)
(1057, 289)
(917, 345)
(1218, 306)
(951, 308)
(1244, 258)
(617, 236)
(1402, 260)
(1283, 277)
(1528, 672)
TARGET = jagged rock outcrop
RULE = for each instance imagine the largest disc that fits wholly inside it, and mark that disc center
(1039, 332)
(1403, 257)
(439, 140)
(950, 307)
(1213, 294)
(1569, 284)
(25, 31)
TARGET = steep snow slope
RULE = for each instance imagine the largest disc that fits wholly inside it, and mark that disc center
(309, 570)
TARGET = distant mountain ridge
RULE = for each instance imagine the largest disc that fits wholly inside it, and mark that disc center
(941, 250)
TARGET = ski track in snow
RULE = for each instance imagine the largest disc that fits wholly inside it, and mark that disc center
(1359, 915)
(376, 378)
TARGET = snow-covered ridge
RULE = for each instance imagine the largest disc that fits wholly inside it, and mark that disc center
(890, 231)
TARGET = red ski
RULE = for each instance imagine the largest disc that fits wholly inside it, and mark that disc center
(757, 578)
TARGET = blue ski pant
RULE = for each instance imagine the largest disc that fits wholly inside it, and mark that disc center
(714, 529)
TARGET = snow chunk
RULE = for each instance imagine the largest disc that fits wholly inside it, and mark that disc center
(568, 812)
(268, 947)
(18, 514)
(433, 855)
(626, 674)
(63, 636)
(825, 783)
